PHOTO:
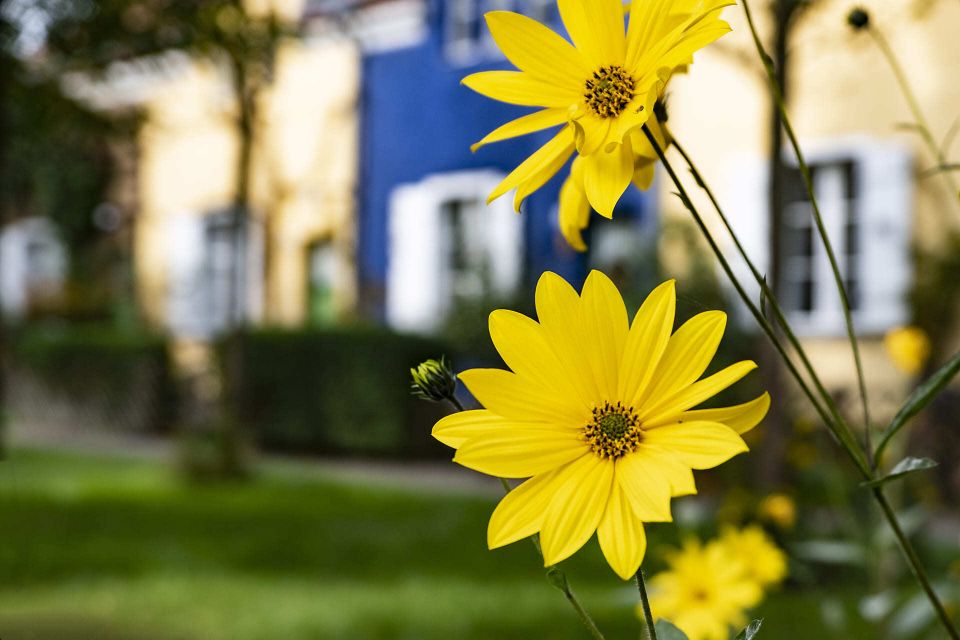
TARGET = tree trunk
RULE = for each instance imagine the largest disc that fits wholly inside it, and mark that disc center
(6, 78)
(777, 434)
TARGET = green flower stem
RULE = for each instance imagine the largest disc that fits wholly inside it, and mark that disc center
(923, 127)
(650, 630)
(762, 282)
(818, 220)
(916, 566)
(843, 435)
(555, 576)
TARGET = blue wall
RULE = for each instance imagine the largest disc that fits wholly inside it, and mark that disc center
(417, 119)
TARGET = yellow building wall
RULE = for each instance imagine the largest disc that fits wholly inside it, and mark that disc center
(304, 166)
(840, 85)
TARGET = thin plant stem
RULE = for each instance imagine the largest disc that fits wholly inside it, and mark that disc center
(840, 431)
(849, 445)
(913, 561)
(777, 92)
(762, 282)
(649, 627)
(556, 576)
(923, 126)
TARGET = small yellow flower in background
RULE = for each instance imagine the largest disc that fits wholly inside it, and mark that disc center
(764, 562)
(599, 414)
(909, 348)
(780, 509)
(599, 90)
(705, 591)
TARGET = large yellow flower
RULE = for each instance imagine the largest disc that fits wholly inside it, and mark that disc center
(705, 591)
(599, 414)
(599, 89)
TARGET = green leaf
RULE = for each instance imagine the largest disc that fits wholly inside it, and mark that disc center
(667, 631)
(751, 631)
(905, 467)
(920, 398)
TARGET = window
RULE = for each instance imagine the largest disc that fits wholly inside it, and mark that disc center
(448, 247)
(467, 262)
(864, 189)
(321, 283)
(466, 37)
(202, 271)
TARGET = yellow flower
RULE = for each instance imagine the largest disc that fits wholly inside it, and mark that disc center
(598, 90)
(779, 509)
(764, 562)
(575, 207)
(705, 591)
(599, 414)
(909, 348)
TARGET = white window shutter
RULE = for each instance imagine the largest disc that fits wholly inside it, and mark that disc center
(886, 208)
(187, 309)
(504, 237)
(413, 262)
(746, 205)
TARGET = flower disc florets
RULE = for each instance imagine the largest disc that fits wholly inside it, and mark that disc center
(609, 91)
(614, 431)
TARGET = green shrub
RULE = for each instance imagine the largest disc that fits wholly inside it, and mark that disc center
(342, 390)
(93, 376)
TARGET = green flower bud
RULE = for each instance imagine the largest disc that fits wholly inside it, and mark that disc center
(858, 19)
(434, 380)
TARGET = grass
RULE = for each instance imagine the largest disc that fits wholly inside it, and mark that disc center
(118, 549)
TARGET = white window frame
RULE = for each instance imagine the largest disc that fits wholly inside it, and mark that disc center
(883, 210)
(418, 297)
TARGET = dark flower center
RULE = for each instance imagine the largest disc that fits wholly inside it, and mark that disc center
(609, 91)
(614, 431)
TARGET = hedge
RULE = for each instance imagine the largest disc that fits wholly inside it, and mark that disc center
(91, 377)
(339, 390)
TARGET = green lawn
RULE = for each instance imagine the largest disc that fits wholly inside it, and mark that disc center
(107, 548)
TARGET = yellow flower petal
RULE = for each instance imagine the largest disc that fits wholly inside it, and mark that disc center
(679, 474)
(596, 27)
(643, 176)
(591, 132)
(607, 176)
(646, 482)
(700, 445)
(517, 87)
(520, 514)
(648, 21)
(696, 393)
(576, 508)
(741, 418)
(534, 48)
(545, 158)
(687, 356)
(621, 535)
(537, 121)
(574, 208)
(522, 344)
(521, 452)
(540, 177)
(514, 397)
(558, 309)
(605, 326)
(647, 340)
(457, 428)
